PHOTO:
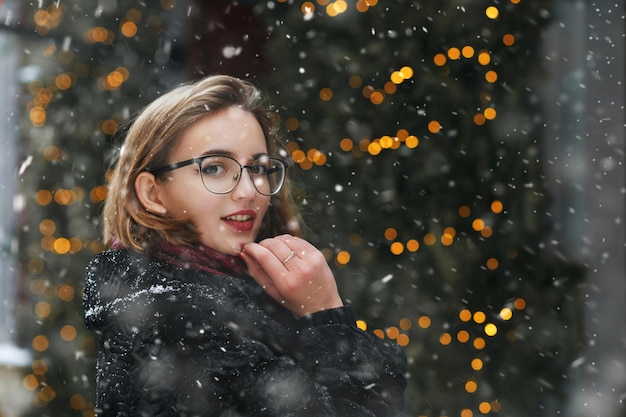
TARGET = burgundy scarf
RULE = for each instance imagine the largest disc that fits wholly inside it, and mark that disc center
(199, 257)
(202, 258)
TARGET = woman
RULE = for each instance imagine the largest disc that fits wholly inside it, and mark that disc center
(208, 304)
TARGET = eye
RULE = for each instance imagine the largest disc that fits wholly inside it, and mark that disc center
(258, 169)
(212, 169)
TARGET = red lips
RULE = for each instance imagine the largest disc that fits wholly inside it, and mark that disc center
(242, 220)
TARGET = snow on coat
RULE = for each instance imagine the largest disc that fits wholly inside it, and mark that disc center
(177, 341)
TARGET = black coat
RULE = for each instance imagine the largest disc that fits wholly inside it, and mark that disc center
(177, 341)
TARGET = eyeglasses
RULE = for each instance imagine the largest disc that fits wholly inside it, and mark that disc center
(220, 174)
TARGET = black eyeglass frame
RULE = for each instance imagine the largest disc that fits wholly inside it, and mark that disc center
(198, 160)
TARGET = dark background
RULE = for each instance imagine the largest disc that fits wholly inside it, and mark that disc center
(551, 157)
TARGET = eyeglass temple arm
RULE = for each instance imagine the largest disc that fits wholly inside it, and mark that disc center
(168, 168)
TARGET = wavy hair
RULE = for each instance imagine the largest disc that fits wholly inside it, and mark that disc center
(148, 143)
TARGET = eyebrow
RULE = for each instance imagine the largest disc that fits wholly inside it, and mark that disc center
(231, 154)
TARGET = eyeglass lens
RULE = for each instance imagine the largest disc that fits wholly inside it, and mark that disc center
(221, 174)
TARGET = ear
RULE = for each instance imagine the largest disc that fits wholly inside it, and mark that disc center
(147, 192)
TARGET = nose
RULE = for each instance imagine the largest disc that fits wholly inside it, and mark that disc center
(245, 187)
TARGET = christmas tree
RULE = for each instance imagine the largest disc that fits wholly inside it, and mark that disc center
(416, 136)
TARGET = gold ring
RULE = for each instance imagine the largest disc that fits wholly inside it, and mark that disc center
(289, 257)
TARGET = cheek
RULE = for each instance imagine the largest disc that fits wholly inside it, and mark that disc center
(263, 205)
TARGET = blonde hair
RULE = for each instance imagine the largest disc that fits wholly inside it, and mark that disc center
(148, 143)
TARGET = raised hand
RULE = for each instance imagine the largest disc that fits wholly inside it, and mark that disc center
(294, 273)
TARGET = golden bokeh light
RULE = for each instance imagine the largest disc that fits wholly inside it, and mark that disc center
(478, 224)
(47, 227)
(377, 97)
(491, 76)
(77, 402)
(391, 233)
(298, 156)
(43, 197)
(484, 58)
(343, 257)
(396, 248)
(30, 382)
(466, 412)
(346, 144)
(403, 339)
(38, 116)
(465, 315)
(66, 292)
(355, 239)
(411, 142)
(39, 367)
(326, 94)
(440, 60)
(430, 239)
(109, 127)
(355, 81)
(497, 206)
(491, 329)
(484, 407)
(68, 332)
(445, 339)
(128, 28)
(392, 332)
(40, 343)
(307, 8)
(506, 314)
(467, 51)
(61, 246)
(292, 124)
(490, 113)
(508, 39)
(412, 245)
(447, 239)
(406, 72)
(471, 386)
(492, 264)
(42, 309)
(492, 12)
(63, 81)
(405, 323)
(479, 317)
(396, 77)
(454, 53)
(479, 343)
(434, 126)
(424, 322)
(47, 393)
(374, 148)
(98, 193)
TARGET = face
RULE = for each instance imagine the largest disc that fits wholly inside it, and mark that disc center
(225, 222)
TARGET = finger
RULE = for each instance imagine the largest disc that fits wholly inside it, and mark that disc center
(268, 255)
(300, 246)
(261, 277)
(281, 251)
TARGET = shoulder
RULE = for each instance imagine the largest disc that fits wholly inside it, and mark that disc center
(117, 259)
(123, 282)
(116, 280)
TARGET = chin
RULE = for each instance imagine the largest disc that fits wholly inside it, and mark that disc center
(236, 247)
